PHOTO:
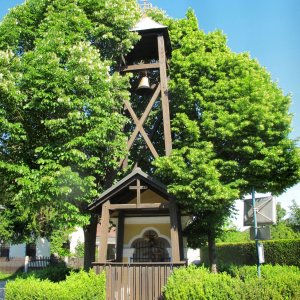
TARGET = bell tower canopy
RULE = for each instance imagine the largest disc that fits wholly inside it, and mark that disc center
(147, 23)
(146, 47)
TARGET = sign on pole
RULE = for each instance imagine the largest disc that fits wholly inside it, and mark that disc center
(263, 233)
(261, 253)
(265, 211)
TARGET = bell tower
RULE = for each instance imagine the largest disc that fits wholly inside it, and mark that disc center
(149, 105)
(147, 218)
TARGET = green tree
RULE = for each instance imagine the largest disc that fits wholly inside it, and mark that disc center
(62, 127)
(294, 218)
(281, 230)
(280, 213)
(231, 234)
(230, 127)
(60, 112)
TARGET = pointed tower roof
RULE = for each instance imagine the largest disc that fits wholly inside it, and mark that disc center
(147, 23)
(146, 48)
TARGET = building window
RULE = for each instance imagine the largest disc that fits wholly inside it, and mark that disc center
(4, 250)
(31, 249)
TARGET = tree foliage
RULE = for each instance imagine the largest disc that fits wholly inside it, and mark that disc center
(230, 125)
(60, 109)
(294, 218)
(62, 131)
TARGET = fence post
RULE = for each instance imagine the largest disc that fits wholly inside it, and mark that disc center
(26, 264)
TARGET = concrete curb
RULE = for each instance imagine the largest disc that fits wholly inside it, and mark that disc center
(2, 285)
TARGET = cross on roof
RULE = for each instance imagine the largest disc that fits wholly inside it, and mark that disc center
(138, 189)
(145, 5)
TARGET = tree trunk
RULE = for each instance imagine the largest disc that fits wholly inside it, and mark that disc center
(212, 253)
(90, 242)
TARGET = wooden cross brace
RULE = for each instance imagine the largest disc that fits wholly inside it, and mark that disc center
(140, 122)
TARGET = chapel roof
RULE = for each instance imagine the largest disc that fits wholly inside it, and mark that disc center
(120, 192)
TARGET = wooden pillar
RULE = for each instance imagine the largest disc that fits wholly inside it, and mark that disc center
(181, 252)
(120, 237)
(174, 231)
(104, 232)
(164, 94)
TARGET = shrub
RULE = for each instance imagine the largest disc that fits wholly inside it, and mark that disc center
(31, 289)
(79, 249)
(277, 282)
(54, 273)
(85, 286)
(198, 283)
(5, 276)
(283, 252)
(77, 286)
(282, 281)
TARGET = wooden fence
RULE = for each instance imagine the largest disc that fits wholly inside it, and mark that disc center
(12, 265)
(22, 264)
(38, 263)
(137, 281)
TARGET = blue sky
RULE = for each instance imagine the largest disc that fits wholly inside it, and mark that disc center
(268, 29)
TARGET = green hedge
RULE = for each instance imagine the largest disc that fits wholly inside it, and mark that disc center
(54, 273)
(81, 285)
(279, 281)
(283, 252)
(198, 283)
(194, 283)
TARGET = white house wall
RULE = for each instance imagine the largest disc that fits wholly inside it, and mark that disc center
(17, 250)
(42, 247)
(76, 238)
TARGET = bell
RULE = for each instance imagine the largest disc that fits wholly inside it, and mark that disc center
(144, 86)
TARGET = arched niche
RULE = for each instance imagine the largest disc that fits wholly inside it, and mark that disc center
(150, 247)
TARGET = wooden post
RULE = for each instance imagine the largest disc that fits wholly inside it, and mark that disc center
(164, 94)
(104, 232)
(120, 237)
(181, 252)
(26, 263)
(174, 231)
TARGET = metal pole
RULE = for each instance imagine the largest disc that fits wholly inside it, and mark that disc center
(255, 231)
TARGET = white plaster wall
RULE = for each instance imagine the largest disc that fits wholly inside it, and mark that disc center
(75, 238)
(193, 256)
(42, 247)
(17, 250)
(110, 240)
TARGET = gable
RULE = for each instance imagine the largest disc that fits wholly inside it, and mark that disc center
(124, 191)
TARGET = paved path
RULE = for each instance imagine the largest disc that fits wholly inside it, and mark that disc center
(2, 284)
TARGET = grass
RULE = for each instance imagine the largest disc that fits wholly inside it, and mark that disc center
(7, 276)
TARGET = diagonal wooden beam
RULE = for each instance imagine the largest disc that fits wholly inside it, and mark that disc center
(150, 104)
(151, 134)
(141, 130)
(140, 123)
(144, 116)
